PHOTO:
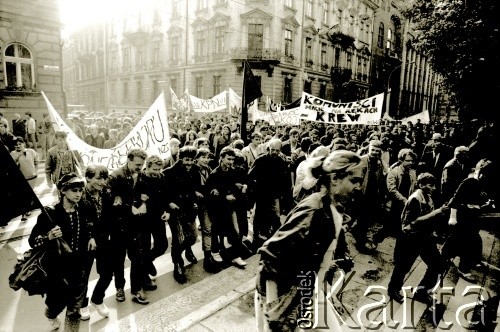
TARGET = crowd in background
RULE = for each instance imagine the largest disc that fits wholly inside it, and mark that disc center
(219, 183)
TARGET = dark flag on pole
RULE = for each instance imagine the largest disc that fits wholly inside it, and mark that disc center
(251, 91)
(293, 104)
(16, 195)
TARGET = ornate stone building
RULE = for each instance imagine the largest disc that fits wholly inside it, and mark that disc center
(335, 49)
(30, 57)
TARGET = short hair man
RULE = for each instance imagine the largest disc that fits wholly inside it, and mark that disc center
(416, 240)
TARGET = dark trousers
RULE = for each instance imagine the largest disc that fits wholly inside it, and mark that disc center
(68, 288)
(466, 243)
(104, 266)
(408, 248)
(158, 231)
(184, 233)
(267, 218)
(131, 243)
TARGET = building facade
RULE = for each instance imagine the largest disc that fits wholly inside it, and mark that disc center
(30, 57)
(334, 49)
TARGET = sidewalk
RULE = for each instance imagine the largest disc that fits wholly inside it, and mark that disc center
(234, 311)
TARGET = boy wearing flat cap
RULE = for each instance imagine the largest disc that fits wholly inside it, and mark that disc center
(67, 220)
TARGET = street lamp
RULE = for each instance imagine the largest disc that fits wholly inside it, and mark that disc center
(388, 89)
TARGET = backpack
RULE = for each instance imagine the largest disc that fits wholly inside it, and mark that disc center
(29, 272)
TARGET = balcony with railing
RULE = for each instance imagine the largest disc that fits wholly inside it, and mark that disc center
(265, 58)
(265, 54)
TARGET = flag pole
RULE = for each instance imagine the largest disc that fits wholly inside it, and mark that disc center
(244, 109)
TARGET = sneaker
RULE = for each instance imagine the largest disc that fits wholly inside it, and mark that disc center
(140, 297)
(120, 295)
(101, 309)
(84, 313)
(239, 262)
(55, 323)
(217, 257)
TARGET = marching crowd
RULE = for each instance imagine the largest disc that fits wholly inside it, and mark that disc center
(425, 184)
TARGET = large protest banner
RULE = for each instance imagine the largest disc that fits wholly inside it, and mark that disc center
(214, 104)
(288, 117)
(224, 101)
(366, 111)
(151, 134)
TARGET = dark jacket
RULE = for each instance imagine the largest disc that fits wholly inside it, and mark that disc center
(99, 214)
(435, 164)
(453, 174)
(181, 186)
(8, 140)
(56, 215)
(121, 183)
(295, 253)
(270, 178)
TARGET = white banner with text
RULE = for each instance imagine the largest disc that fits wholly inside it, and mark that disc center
(150, 134)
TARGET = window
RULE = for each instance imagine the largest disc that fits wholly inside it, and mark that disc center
(323, 54)
(19, 71)
(288, 3)
(125, 91)
(217, 85)
(138, 87)
(255, 40)
(380, 39)
(326, 10)
(288, 42)
(156, 87)
(388, 44)
(141, 55)
(322, 90)
(287, 90)
(220, 42)
(337, 57)
(309, 8)
(112, 94)
(114, 60)
(173, 84)
(126, 57)
(156, 51)
(201, 4)
(309, 59)
(201, 44)
(307, 86)
(199, 87)
(175, 45)
(365, 68)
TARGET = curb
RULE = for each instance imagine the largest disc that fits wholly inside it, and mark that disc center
(211, 308)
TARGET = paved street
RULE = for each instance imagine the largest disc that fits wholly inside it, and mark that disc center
(224, 301)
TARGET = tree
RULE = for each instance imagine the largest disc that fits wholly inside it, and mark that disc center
(460, 37)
